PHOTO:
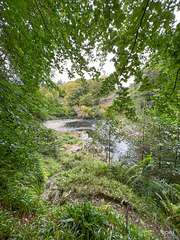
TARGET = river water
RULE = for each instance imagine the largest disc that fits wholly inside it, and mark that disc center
(119, 149)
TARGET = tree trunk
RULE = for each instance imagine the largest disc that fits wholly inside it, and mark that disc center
(143, 137)
(160, 148)
(109, 146)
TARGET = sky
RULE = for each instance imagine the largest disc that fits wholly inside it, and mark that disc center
(108, 67)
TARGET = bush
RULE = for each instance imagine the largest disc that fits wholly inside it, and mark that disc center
(86, 100)
(69, 111)
(97, 113)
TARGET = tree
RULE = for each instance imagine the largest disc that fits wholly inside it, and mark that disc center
(86, 100)
(107, 132)
(144, 34)
(38, 36)
(60, 82)
(145, 44)
(53, 104)
(94, 88)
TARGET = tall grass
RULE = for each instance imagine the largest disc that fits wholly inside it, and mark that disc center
(75, 221)
(83, 221)
(164, 198)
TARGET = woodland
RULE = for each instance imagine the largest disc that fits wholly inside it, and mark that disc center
(48, 191)
(80, 98)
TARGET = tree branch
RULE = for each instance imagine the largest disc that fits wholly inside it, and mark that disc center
(44, 21)
(174, 84)
(136, 37)
(137, 32)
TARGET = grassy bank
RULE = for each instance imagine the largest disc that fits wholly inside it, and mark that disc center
(78, 196)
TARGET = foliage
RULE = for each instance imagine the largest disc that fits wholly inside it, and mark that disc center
(107, 131)
(52, 103)
(21, 172)
(78, 220)
(69, 99)
(158, 134)
(70, 111)
(119, 182)
(97, 113)
(86, 112)
(49, 166)
(81, 176)
(83, 93)
(74, 90)
(73, 99)
(149, 44)
(68, 138)
(37, 36)
(163, 196)
(81, 220)
(86, 100)
(94, 89)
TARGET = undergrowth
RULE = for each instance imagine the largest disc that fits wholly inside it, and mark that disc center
(25, 215)
(77, 220)
(163, 197)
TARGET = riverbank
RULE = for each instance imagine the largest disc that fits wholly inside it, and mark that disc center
(82, 176)
(119, 148)
(101, 200)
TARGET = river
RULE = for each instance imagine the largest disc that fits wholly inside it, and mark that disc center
(119, 149)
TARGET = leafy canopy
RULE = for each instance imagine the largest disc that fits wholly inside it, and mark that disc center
(37, 36)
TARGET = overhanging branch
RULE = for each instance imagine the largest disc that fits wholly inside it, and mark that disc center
(175, 83)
